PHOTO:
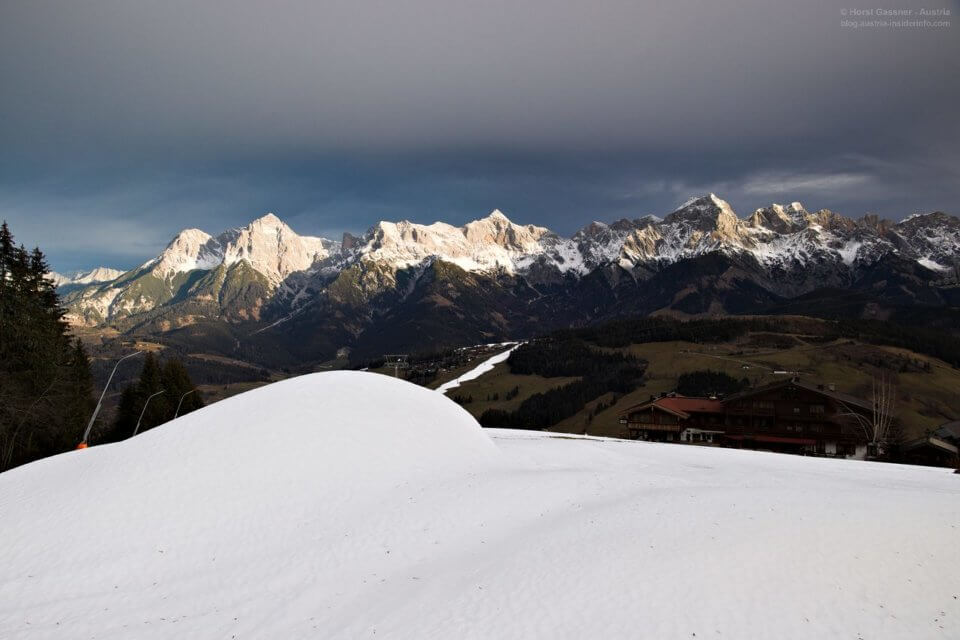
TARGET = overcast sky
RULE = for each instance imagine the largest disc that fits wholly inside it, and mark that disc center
(123, 121)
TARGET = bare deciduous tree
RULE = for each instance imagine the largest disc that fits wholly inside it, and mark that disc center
(877, 424)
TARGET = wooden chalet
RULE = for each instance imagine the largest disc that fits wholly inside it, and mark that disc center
(930, 451)
(788, 415)
(798, 417)
(949, 432)
(665, 419)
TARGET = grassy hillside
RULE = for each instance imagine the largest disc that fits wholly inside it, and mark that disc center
(927, 387)
(499, 383)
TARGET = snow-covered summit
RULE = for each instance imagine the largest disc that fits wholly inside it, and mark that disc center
(190, 249)
(703, 209)
(272, 248)
(93, 276)
(490, 243)
(797, 250)
(268, 244)
(780, 218)
(787, 238)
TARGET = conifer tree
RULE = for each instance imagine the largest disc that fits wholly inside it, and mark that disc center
(171, 378)
(176, 378)
(45, 382)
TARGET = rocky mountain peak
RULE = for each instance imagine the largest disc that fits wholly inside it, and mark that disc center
(498, 230)
(498, 217)
(267, 244)
(97, 275)
(707, 211)
(267, 220)
(875, 223)
(272, 248)
(780, 218)
(349, 242)
(190, 249)
(810, 248)
(927, 220)
(595, 229)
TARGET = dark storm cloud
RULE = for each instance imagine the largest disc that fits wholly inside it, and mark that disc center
(124, 121)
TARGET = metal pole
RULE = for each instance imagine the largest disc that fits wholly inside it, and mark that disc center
(93, 418)
(144, 410)
(181, 402)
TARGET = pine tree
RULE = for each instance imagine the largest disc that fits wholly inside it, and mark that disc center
(171, 378)
(177, 379)
(45, 381)
(128, 410)
(158, 410)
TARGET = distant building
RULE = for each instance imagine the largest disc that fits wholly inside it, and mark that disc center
(941, 448)
(949, 431)
(930, 451)
(797, 417)
(788, 415)
(663, 419)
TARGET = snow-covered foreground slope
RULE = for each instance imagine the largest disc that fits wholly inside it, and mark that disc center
(349, 505)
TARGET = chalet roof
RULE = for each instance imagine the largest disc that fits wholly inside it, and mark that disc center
(681, 406)
(687, 404)
(845, 398)
(948, 430)
(932, 442)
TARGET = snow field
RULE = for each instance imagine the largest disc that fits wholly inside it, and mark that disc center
(349, 505)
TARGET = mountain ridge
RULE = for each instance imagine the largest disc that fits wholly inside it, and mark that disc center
(503, 279)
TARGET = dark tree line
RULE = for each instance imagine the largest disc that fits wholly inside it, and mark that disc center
(625, 331)
(563, 355)
(46, 390)
(172, 379)
(708, 383)
(553, 357)
(931, 342)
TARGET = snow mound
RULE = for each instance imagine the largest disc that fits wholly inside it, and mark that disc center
(351, 505)
(338, 425)
(258, 475)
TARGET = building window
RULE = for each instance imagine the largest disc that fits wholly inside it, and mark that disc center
(816, 408)
(796, 409)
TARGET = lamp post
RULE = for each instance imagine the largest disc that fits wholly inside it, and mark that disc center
(93, 418)
(181, 402)
(144, 410)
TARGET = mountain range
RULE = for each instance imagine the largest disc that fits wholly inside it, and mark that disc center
(79, 279)
(270, 295)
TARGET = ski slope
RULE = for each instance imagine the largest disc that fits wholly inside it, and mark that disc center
(484, 367)
(354, 505)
